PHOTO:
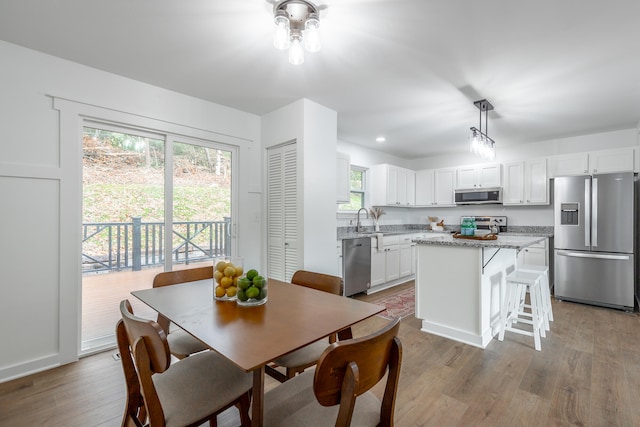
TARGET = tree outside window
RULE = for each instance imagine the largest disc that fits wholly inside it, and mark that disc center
(357, 198)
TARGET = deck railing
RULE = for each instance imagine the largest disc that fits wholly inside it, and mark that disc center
(117, 246)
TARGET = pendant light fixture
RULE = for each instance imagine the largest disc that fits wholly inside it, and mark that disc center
(296, 27)
(479, 142)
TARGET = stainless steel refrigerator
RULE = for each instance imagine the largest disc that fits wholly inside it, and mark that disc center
(594, 239)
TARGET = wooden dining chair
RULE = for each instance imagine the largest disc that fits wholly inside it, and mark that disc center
(337, 393)
(186, 393)
(181, 343)
(308, 356)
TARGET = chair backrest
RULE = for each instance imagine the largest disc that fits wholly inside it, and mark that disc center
(179, 276)
(349, 368)
(135, 412)
(182, 276)
(325, 283)
(319, 281)
(147, 343)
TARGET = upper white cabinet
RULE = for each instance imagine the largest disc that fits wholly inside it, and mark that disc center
(434, 187)
(343, 183)
(425, 187)
(610, 161)
(526, 183)
(392, 186)
(478, 176)
(604, 161)
(445, 181)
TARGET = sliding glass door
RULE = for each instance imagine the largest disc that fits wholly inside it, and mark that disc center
(151, 202)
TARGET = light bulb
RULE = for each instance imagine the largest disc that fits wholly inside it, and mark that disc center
(296, 51)
(312, 33)
(281, 31)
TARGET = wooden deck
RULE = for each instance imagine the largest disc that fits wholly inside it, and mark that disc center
(101, 296)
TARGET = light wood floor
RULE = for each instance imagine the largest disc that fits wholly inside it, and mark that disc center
(587, 374)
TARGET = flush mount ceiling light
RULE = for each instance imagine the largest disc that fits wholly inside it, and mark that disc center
(296, 27)
(479, 142)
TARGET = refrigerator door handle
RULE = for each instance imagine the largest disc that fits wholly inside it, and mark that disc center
(587, 211)
(594, 215)
(591, 255)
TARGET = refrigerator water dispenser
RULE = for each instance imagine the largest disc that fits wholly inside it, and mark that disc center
(569, 214)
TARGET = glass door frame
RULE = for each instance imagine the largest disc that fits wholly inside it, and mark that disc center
(169, 140)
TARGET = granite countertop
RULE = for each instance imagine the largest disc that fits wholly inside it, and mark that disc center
(505, 240)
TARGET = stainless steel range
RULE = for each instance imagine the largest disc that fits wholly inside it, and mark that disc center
(495, 224)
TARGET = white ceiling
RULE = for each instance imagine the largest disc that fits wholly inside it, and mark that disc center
(406, 69)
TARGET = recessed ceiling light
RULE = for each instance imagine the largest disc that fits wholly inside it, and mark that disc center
(381, 139)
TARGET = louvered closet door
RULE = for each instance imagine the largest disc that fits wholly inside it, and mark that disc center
(282, 211)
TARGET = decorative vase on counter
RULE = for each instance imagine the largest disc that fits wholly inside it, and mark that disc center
(377, 226)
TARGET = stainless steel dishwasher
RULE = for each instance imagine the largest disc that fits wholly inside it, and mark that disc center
(356, 265)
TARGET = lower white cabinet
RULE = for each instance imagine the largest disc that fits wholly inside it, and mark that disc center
(393, 259)
(406, 259)
(392, 262)
(378, 267)
(537, 254)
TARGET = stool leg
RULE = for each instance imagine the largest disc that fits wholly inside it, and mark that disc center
(542, 317)
(504, 311)
(545, 282)
(533, 293)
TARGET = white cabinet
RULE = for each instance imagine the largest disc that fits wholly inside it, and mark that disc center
(393, 259)
(392, 186)
(537, 254)
(378, 268)
(343, 182)
(477, 176)
(526, 183)
(434, 187)
(425, 187)
(411, 187)
(611, 161)
(444, 184)
(392, 262)
(406, 259)
(603, 161)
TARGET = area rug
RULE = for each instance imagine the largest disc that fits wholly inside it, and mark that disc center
(401, 304)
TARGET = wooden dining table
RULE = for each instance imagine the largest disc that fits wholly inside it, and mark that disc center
(251, 337)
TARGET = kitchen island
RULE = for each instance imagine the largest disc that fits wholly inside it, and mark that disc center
(460, 284)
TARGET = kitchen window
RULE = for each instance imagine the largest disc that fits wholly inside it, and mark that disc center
(357, 192)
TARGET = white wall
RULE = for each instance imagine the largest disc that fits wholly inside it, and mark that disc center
(574, 144)
(314, 128)
(364, 157)
(40, 193)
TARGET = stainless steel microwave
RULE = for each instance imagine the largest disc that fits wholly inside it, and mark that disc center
(478, 196)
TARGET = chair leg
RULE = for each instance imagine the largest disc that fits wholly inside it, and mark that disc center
(243, 408)
(291, 372)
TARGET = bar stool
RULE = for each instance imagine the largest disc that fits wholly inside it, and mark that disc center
(544, 287)
(519, 283)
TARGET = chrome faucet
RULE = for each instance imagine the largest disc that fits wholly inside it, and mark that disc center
(358, 226)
